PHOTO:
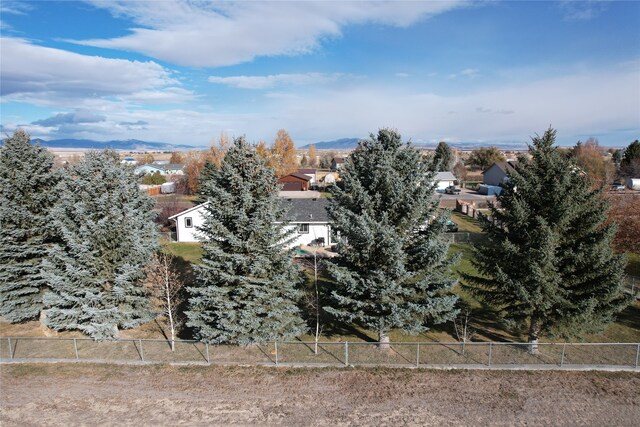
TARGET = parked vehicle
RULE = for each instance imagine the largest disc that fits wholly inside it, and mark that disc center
(452, 190)
(617, 187)
(452, 227)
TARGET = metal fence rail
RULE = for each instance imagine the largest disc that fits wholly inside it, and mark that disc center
(299, 353)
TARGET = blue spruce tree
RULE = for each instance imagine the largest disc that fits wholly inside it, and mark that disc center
(107, 235)
(548, 263)
(246, 287)
(392, 272)
(27, 181)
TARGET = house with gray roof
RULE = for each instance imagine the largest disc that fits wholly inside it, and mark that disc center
(498, 173)
(163, 169)
(308, 217)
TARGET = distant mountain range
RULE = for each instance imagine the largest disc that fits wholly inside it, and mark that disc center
(336, 144)
(342, 144)
(351, 143)
(128, 145)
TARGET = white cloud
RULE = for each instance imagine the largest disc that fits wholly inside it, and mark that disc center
(402, 75)
(264, 82)
(574, 104)
(467, 72)
(211, 34)
(47, 76)
(15, 7)
(76, 117)
(583, 10)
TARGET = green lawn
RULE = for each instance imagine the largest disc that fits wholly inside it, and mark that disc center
(465, 223)
(633, 264)
(189, 252)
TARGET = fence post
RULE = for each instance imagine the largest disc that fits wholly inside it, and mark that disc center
(275, 343)
(346, 353)
(564, 346)
(637, 354)
(206, 347)
(75, 347)
(418, 356)
(490, 351)
(11, 350)
(141, 350)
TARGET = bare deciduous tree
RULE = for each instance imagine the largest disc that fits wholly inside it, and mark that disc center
(312, 297)
(165, 285)
(464, 332)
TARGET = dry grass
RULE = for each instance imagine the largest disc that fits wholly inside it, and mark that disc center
(67, 394)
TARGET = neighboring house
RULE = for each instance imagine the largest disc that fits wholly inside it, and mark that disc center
(444, 180)
(129, 161)
(308, 217)
(310, 220)
(337, 163)
(311, 173)
(498, 173)
(165, 169)
(295, 182)
(160, 162)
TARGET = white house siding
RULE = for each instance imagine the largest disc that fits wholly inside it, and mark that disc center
(316, 231)
(443, 184)
(189, 234)
(444, 180)
(196, 217)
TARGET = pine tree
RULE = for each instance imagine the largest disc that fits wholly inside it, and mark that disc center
(392, 269)
(107, 236)
(246, 287)
(27, 180)
(548, 263)
(443, 157)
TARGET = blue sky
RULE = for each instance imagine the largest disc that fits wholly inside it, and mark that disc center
(183, 72)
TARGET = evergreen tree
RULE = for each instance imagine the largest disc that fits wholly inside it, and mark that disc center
(246, 287)
(27, 181)
(548, 263)
(630, 164)
(107, 235)
(484, 157)
(392, 269)
(443, 157)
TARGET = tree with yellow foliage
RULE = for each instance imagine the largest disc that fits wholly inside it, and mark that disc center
(284, 154)
(312, 156)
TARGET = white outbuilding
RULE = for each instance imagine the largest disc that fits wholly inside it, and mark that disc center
(444, 180)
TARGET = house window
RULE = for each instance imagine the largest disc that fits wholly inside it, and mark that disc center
(188, 222)
(303, 228)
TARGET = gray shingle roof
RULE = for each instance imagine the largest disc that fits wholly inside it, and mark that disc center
(307, 210)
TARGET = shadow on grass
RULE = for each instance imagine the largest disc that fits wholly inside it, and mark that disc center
(630, 316)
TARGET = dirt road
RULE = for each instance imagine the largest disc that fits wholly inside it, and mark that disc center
(72, 394)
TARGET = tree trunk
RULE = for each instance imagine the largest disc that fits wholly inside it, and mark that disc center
(170, 315)
(315, 279)
(534, 332)
(383, 340)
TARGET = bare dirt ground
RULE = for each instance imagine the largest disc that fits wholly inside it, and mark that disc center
(85, 394)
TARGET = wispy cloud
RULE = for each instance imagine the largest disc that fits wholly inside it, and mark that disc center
(47, 76)
(583, 10)
(211, 34)
(467, 72)
(15, 7)
(76, 117)
(265, 82)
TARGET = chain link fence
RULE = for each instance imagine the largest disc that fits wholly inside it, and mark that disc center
(299, 353)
